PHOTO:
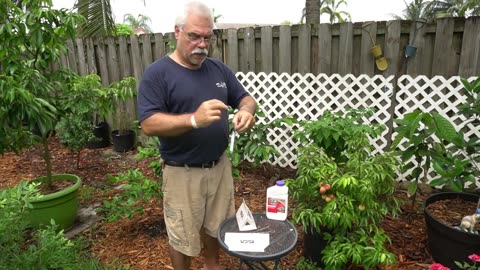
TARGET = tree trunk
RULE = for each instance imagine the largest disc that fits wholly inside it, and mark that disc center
(312, 11)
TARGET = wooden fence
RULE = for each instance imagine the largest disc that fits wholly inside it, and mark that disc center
(446, 47)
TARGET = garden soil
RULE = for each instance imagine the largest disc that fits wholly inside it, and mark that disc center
(141, 242)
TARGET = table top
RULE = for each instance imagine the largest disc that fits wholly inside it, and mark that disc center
(283, 238)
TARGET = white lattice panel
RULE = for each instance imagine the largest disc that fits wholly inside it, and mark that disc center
(437, 94)
(306, 97)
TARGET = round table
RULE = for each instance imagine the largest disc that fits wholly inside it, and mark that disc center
(283, 238)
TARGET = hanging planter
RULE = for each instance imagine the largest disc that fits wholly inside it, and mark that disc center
(410, 51)
(448, 243)
(380, 60)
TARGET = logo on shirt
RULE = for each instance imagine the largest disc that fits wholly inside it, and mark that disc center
(221, 85)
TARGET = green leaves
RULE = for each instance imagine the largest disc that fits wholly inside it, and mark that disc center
(349, 209)
(33, 36)
(135, 187)
(99, 20)
(336, 132)
(253, 145)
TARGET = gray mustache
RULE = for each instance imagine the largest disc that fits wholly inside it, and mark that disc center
(200, 51)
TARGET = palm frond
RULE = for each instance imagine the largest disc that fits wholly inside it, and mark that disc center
(99, 18)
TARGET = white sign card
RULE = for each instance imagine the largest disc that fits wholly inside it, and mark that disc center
(245, 218)
(251, 242)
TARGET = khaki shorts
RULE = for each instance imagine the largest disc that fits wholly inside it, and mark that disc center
(194, 198)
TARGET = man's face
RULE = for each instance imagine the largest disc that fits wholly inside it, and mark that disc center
(193, 40)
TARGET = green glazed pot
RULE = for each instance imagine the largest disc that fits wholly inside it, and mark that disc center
(61, 206)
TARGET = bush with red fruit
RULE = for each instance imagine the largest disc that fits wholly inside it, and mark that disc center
(345, 197)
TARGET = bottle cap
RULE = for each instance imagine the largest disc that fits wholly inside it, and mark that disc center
(280, 183)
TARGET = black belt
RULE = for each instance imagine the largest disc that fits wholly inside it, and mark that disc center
(209, 164)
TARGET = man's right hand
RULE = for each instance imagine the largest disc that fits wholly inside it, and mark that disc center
(208, 112)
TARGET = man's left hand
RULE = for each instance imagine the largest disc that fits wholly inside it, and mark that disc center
(243, 121)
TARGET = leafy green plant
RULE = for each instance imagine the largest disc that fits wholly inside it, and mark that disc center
(347, 195)
(431, 141)
(138, 187)
(75, 132)
(124, 90)
(253, 145)
(33, 37)
(47, 248)
(306, 264)
(123, 29)
(86, 98)
(334, 131)
(151, 151)
(425, 136)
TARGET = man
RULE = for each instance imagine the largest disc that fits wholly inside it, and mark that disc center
(183, 100)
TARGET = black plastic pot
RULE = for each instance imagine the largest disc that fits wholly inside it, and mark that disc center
(123, 141)
(102, 133)
(313, 245)
(446, 243)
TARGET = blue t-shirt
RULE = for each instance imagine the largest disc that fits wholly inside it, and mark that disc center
(168, 87)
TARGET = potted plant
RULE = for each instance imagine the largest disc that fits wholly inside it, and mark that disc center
(343, 191)
(434, 143)
(124, 136)
(32, 94)
(97, 103)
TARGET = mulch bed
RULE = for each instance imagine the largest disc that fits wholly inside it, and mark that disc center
(142, 243)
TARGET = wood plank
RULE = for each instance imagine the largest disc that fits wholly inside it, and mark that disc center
(64, 60)
(215, 50)
(427, 64)
(470, 53)
(249, 38)
(138, 69)
(325, 48)
(392, 48)
(171, 43)
(232, 50)
(443, 46)
(91, 64)
(267, 49)
(159, 49)
(147, 56)
(82, 61)
(368, 40)
(112, 60)
(304, 49)
(125, 70)
(71, 56)
(357, 50)
(136, 58)
(285, 49)
(102, 61)
(345, 49)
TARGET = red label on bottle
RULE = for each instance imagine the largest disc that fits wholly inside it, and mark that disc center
(275, 205)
